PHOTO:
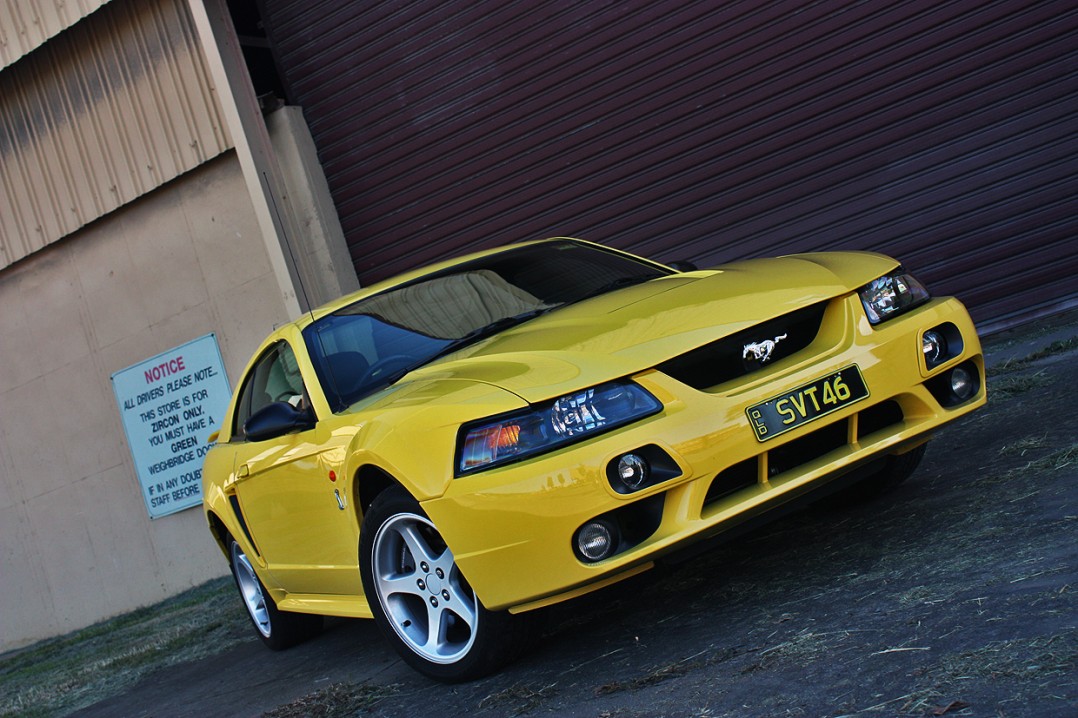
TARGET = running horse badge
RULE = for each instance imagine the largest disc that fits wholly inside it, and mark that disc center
(761, 351)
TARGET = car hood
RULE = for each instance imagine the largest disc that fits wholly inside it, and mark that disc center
(629, 330)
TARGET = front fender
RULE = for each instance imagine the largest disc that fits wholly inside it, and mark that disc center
(411, 432)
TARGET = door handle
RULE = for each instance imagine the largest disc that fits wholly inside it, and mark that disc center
(243, 472)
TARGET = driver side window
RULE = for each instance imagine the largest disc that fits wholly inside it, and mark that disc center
(275, 377)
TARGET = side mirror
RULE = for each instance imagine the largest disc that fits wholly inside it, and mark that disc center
(276, 419)
(682, 265)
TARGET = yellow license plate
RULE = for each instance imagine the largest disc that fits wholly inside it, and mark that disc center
(807, 403)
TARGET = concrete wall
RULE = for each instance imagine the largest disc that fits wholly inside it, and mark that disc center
(76, 544)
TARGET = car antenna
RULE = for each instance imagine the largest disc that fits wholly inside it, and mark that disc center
(288, 245)
(299, 279)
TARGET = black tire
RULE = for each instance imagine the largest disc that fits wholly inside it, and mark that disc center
(896, 469)
(413, 584)
(278, 629)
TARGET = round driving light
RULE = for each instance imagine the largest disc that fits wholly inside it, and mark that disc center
(963, 385)
(934, 347)
(596, 540)
(633, 471)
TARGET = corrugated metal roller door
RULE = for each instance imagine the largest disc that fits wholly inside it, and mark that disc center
(943, 133)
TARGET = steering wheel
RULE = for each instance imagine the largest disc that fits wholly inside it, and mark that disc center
(378, 368)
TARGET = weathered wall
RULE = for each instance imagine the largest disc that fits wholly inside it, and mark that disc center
(111, 108)
(27, 24)
(76, 544)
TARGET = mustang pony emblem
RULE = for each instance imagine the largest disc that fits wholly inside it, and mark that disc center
(761, 351)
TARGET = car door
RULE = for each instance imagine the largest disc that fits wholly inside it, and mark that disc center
(288, 489)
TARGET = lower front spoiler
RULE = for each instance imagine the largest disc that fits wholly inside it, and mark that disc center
(750, 521)
(736, 526)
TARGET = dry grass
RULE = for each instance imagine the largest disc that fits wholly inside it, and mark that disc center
(339, 700)
(1022, 446)
(517, 698)
(1057, 460)
(57, 676)
(651, 678)
(1026, 664)
(1009, 385)
(1029, 659)
(1060, 346)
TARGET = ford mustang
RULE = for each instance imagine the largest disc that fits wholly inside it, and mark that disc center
(451, 450)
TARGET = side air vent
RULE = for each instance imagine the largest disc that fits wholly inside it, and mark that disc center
(235, 503)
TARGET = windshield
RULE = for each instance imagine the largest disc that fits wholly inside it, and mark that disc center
(372, 343)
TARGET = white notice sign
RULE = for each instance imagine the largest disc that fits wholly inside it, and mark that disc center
(169, 405)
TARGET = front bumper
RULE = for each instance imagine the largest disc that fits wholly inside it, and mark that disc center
(511, 528)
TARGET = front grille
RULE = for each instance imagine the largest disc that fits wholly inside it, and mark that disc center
(794, 454)
(723, 360)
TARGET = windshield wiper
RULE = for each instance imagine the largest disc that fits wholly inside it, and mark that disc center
(475, 335)
(488, 330)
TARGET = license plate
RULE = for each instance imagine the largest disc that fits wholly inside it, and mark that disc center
(807, 403)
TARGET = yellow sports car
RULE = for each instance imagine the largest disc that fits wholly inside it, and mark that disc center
(451, 450)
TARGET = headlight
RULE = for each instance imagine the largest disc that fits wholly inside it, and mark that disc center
(566, 419)
(892, 294)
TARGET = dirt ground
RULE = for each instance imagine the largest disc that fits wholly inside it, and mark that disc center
(955, 595)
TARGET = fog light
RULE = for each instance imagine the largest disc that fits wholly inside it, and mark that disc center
(934, 347)
(632, 471)
(963, 385)
(596, 540)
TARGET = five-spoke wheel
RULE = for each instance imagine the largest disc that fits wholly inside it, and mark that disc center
(250, 590)
(428, 603)
(421, 600)
(278, 629)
